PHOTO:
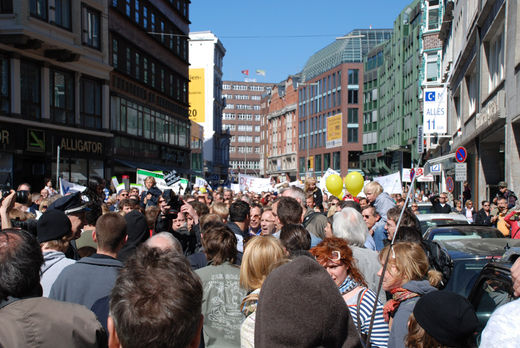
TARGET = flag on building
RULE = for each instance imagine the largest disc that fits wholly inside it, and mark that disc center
(245, 72)
(260, 72)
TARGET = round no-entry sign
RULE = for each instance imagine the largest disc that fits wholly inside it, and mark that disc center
(461, 154)
(449, 184)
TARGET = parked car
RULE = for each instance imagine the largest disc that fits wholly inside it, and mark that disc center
(469, 258)
(432, 220)
(424, 207)
(463, 231)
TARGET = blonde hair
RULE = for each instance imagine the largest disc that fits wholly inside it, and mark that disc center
(373, 186)
(220, 209)
(308, 182)
(411, 262)
(261, 256)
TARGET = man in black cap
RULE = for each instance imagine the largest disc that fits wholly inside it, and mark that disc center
(509, 195)
(93, 277)
(74, 206)
(54, 235)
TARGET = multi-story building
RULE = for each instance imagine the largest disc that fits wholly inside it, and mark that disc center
(330, 104)
(371, 162)
(242, 115)
(401, 69)
(480, 67)
(207, 103)
(54, 90)
(281, 118)
(148, 43)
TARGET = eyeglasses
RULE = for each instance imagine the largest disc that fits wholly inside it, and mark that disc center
(366, 216)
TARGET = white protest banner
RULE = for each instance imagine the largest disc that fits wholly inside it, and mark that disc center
(200, 182)
(235, 188)
(67, 187)
(115, 183)
(391, 183)
(142, 174)
(120, 187)
(254, 184)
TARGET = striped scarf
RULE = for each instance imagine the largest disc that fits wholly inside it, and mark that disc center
(348, 285)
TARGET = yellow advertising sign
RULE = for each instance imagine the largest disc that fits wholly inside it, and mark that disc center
(197, 100)
(334, 135)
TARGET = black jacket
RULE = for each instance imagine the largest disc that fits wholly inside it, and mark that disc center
(482, 218)
(438, 208)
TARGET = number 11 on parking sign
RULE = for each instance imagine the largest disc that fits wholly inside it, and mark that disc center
(431, 124)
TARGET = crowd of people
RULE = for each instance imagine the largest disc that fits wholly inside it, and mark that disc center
(294, 268)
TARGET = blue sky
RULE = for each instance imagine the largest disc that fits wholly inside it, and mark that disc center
(278, 36)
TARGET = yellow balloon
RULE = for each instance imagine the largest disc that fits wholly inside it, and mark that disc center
(354, 183)
(334, 184)
(202, 190)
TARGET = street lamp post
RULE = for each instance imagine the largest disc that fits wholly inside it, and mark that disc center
(307, 107)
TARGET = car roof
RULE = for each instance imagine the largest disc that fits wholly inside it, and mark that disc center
(451, 216)
(478, 248)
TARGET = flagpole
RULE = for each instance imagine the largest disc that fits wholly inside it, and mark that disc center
(57, 166)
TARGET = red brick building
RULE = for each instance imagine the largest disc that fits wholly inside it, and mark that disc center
(281, 133)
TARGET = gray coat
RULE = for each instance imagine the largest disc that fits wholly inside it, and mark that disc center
(55, 262)
(399, 328)
(42, 322)
(87, 280)
(382, 204)
(368, 264)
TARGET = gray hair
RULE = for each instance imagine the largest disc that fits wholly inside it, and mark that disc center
(169, 242)
(349, 225)
(296, 193)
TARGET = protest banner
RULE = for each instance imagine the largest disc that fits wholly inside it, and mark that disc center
(254, 184)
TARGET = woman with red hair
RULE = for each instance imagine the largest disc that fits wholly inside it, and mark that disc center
(335, 255)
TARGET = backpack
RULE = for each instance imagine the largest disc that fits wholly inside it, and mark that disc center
(439, 260)
(307, 220)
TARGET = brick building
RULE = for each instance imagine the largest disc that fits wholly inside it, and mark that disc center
(330, 100)
(280, 130)
(242, 117)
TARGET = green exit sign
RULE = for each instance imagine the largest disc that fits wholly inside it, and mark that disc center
(35, 140)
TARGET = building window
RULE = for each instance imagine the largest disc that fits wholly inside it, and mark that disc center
(152, 79)
(91, 27)
(62, 13)
(128, 8)
(115, 53)
(353, 135)
(353, 76)
(352, 96)
(326, 161)
(38, 8)
(137, 66)
(62, 97)
(336, 160)
(6, 6)
(128, 61)
(136, 13)
(353, 116)
(432, 67)
(433, 14)
(5, 98)
(145, 70)
(496, 61)
(145, 17)
(90, 103)
(30, 89)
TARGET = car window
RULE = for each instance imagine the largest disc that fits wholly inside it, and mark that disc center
(465, 233)
(492, 293)
(464, 275)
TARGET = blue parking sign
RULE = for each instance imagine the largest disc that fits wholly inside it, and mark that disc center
(429, 96)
